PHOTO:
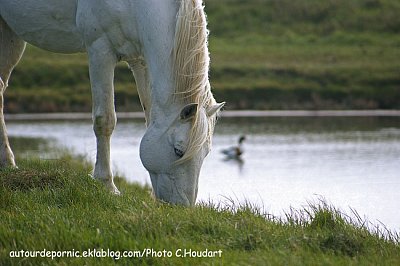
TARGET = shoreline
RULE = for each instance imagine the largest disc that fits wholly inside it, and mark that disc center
(236, 113)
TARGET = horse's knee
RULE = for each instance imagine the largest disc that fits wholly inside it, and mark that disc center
(104, 124)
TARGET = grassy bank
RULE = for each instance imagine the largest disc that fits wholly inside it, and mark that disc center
(55, 205)
(266, 54)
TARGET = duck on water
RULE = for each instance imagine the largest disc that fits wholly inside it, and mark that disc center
(235, 152)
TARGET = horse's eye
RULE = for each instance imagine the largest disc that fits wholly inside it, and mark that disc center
(179, 152)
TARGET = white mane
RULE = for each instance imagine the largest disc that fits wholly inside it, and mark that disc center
(191, 65)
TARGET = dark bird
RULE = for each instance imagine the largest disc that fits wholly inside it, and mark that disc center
(236, 151)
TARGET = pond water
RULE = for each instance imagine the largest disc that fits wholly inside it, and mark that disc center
(352, 162)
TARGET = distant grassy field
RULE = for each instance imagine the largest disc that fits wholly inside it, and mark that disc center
(54, 205)
(266, 54)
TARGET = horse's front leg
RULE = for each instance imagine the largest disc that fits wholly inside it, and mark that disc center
(101, 70)
(11, 50)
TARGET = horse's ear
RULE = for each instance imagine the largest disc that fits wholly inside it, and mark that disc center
(212, 110)
(189, 111)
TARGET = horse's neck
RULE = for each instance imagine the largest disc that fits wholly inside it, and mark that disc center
(156, 36)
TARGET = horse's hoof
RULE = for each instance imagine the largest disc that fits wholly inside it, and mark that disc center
(8, 164)
(109, 184)
(113, 189)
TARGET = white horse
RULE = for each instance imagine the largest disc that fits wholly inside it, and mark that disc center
(164, 43)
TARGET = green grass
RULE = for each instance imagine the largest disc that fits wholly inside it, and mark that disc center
(55, 205)
(280, 54)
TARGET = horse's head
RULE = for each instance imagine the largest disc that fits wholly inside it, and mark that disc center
(173, 150)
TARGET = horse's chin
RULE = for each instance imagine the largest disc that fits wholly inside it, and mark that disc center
(172, 190)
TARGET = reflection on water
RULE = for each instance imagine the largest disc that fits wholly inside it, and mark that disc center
(235, 162)
(286, 161)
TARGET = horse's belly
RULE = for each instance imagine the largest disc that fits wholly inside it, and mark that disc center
(50, 25)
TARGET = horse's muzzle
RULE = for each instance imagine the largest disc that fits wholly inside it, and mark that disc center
(171, 190)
